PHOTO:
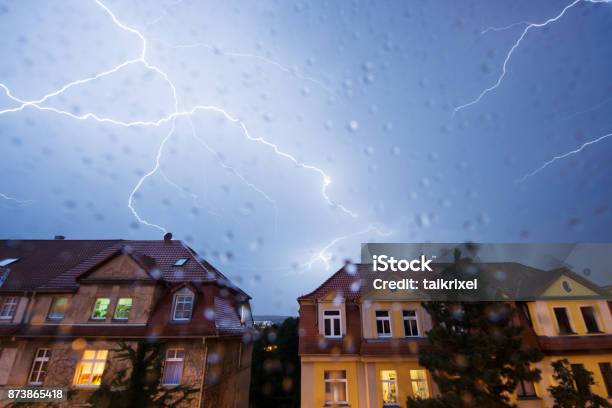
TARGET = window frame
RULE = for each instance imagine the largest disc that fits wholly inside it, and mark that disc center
(414, 318)
(93, 311)
(606, 368)
(569, 321)
(174, 359)
(521, 390)
(383, 319)
(93, 361)
(182, 294)
(53, 305)
(44, 363)
(117, 308)
(394, 381)
(335, 380)
(13, 306)
(595, 319)
(418, 381)
(332, 318)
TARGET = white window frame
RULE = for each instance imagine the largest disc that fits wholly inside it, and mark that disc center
(417, 381)
(174, 359)
(9, 304)
(46, 356)
(179, 295)
(331, 318)
(414, 318)
(335, 380)
(394, 381)
(381, 318)
(93, 310)
(93, 362)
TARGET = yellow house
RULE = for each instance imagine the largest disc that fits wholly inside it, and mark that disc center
(359, 346)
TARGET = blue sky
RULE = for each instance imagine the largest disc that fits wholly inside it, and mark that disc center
(357, 94)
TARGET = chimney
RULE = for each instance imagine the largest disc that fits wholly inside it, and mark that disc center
(59, 237)
(167, 237)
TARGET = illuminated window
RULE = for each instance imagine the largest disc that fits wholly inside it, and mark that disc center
(526, 389)
(389, 387)
(100, 308)
(183, 305)
(383, 323)
(411, 325)
(90, 369)
(563, 320)
(418, 378)
(590, 321)
(122, 311)
(331, 323)
(58, 308)
(9, 306)
(38, 373)
(173, 367)
(335, 386)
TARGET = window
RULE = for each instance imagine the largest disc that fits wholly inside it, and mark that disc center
(180, 262)
(59, 305)
(606, 373)
(383, 323)
(588, 314)
(389, 387)
(183, 305)
(90, 369)
(122, 311)
(525, 309)
(8, 261)
(100, 308)
(411, 326)
(563, 320)
(173, 367)
(583, 386)
(418, 378)
(40, 366)
(331, 323)
(335, 386)
(9, 305)
(526, 389)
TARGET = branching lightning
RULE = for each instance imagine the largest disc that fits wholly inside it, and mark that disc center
(171, 118)
(15, 200)
(563, 156)
(516, 44)
(324, 255)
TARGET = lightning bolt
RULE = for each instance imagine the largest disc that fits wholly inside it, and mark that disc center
(324, 255)
(37, 104)
(15, 200)
(563, 156)
(517, 43)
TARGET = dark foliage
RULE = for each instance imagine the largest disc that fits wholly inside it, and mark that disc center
(573, 387)
(275, 375)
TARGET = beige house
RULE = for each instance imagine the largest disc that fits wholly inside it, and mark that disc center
(66, 305)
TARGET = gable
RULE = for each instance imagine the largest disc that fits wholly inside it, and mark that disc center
(120, 267)
(565, 286)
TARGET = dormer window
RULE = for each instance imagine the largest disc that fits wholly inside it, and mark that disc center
(180, 262)
(332, 323)
(183, 305)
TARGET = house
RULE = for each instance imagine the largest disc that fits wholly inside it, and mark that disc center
(359, 346)
(65, 305)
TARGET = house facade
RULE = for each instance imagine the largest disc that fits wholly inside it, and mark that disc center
(66, 307)
(359, 347)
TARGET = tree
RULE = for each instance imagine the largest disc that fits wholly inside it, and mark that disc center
(137, 383)
(475, 352)
(573, 389)
(275, 368)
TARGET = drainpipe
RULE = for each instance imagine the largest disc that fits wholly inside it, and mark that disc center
(203, 372)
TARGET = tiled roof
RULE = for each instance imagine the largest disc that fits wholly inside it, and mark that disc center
(346, 283)
(57, 264)
(227, 320)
